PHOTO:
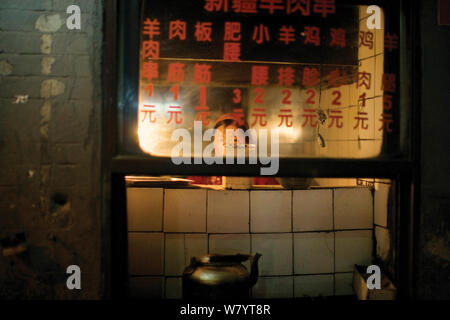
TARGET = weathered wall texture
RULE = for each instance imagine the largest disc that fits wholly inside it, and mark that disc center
(50, 103)
(433, 263)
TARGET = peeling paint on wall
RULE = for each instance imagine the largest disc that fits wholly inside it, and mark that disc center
(5, 68)
(50, 23)
(46, 65)
(46, 111)
(51, 88)
(46, 43)
(21, 98)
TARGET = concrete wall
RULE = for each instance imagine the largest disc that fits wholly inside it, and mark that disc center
(433, 261)
(50, 147)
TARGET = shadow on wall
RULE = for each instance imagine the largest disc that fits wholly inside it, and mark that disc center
(27, 272)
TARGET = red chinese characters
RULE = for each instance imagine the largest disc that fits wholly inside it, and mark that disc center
(203, 114)
(388, 85)
(175, 72)
(386, 120)
(148, 111)
(360, 120)
(390, 41)
(260, 34)
(202, 108)
(238, 115)
(310, 77)
(285, 116)
(202, 73)
(260, 75)
(304, 6)
(335, 78)
(287, 34)
(150, 70)
(151, 28)
(310, 116)
(324, 7)
(216, 5)
(389, 82)
(150, 49)
(203, 31)
(312, 35)
(232, 50)
(335, 117)
(177, 28)
(271, 5)
(175, 114)
(232, 31)
(286, 76)
(366, 39)
(149, 90)
(259, 114)
(337, 37)
(244, 6)
(363, 79)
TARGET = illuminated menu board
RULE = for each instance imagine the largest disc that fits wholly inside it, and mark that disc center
(313, 70)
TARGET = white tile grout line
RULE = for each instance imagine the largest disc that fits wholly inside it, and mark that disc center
(206, 218)
(292, 236)
(374, 250)
(249, 214)
(164, 236)
(334, 243)
(250, 234)
(163, 209)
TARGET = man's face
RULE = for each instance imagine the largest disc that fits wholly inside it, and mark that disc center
(220, 143)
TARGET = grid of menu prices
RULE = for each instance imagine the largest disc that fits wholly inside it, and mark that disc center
(319, 73)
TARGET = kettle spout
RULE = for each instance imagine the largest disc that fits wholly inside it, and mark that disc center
(254, 269)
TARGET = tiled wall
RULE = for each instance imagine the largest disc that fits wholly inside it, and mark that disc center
(309, 239)
(349, 141)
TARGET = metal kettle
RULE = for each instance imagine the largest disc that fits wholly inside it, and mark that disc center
(219, 277)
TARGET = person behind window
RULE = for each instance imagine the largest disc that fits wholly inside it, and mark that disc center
(226, 122)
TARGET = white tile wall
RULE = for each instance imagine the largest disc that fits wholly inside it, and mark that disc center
(174, 262)
(197, 222)
(185, 210)
(174, 289)
(383, 242)
(145, 253)
(180, 248)
(273, 288)
(228, 211)
(146, 287)
(380, 205)
(229, 243)
(343, 283)
(195, 245)
(270, 211)
(312, 210)
(276, 250)
(313, 252)
(313, 285)
(353, 208)
(144, 209)
(352, 247)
